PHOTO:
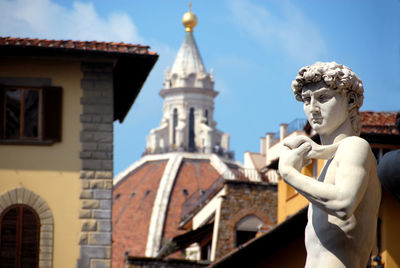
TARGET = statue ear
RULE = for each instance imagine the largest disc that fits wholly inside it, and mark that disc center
(351, 100)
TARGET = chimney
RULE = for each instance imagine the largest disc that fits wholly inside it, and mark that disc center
(269, 140)
(283, 131)
(262, 145)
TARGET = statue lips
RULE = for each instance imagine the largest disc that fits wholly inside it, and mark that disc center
(316, 119)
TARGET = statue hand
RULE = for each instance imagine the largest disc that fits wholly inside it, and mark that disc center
(294, 158)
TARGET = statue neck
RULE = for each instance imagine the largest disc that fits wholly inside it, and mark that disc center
(343, 131)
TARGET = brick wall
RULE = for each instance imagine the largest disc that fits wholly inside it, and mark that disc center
(244, 199)
(97, 165)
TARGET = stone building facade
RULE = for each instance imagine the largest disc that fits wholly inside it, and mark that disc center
(97, 164)
(244, 199)
(58, 102)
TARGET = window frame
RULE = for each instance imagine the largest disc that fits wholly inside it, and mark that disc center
(22, 116)
(41, 138)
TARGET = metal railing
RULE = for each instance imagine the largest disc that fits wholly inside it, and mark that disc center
(246, 174)
(297, 124)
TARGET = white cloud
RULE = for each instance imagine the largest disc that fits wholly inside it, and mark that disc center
(45, 19)
(288, 29)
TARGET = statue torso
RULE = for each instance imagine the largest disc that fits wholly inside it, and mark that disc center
(333, 242)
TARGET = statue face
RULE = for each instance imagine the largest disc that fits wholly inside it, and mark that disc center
(326, 109)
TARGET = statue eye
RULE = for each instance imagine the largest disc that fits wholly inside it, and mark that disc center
(323, 98)
(306, 99)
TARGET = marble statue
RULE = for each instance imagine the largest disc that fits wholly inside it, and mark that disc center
(345, 198)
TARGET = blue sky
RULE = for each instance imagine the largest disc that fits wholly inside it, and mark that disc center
(255, 48)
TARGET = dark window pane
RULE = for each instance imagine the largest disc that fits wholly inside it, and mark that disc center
(31, 112)
(205, 253)
(191, 131)
(174, 125)
(13, 112)
(8, 242)
(244, 236)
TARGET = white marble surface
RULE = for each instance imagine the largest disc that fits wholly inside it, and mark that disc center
(345, 198)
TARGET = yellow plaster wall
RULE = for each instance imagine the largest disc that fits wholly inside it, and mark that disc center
(289, 201)
(390, 230)
(52, 172)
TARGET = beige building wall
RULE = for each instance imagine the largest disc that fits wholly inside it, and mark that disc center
(50, 171)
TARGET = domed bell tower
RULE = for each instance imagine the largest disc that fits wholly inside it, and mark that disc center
(188, 91)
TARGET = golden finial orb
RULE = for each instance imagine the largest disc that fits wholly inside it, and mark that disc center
(189, 20)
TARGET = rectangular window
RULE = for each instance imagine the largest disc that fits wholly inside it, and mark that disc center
(30, 115)
(21, 113)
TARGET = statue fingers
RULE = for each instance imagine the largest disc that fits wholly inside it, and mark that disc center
(303, 149)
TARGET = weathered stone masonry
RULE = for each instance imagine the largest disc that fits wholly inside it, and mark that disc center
(97, 165)
(243, 199)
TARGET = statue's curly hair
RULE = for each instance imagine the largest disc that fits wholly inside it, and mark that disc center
(337, 77)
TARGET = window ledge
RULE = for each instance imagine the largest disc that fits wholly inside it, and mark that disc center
(26, 142)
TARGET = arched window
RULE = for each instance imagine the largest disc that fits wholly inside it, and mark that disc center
(246, 229)
(174, 124)
(19, 237)
(206, 116)
(191, 131)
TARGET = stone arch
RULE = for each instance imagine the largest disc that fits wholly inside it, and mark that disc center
(24, 196)
(246, 229)
(249, 222)
(242, 214)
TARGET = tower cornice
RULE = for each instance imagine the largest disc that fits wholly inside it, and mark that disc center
(184, 90)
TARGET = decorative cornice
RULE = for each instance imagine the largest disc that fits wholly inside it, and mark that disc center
(182, 90)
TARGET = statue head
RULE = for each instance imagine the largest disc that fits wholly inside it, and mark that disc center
(338, 78)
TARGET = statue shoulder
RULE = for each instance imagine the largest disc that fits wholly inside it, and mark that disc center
(355, 141)
(355, 148)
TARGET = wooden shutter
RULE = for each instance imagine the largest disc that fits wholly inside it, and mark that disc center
(8, 241)
(19, 237)
(52, 113)
(2, 115)
(29, 238)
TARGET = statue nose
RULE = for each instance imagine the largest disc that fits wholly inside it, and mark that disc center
(314, 106)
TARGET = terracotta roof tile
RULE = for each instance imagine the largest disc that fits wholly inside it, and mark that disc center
(133, 200)
(112, 47)
(193, 176)
(379, 122)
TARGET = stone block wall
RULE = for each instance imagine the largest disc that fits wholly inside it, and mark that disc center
(96, 165)
(243, 199)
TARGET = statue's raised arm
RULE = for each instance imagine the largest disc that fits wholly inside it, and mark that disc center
(344, 199)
